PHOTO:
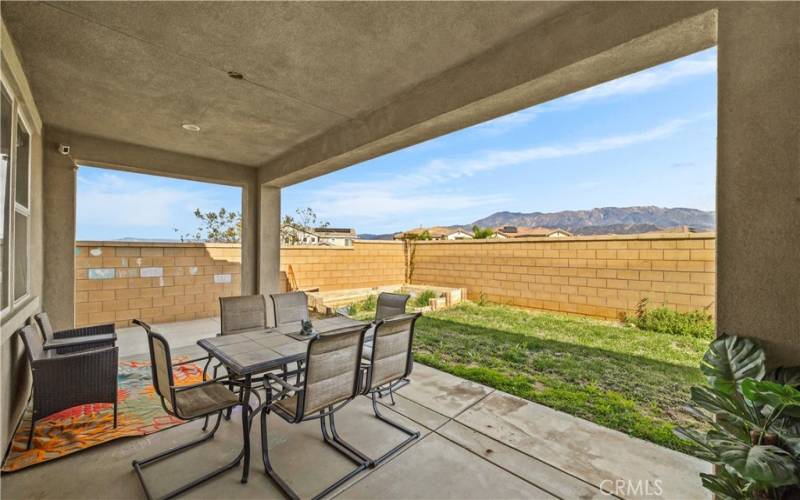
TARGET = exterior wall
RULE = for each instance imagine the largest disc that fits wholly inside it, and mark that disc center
(366, 264)
(155, 282)
(14, 373)
(595, 276)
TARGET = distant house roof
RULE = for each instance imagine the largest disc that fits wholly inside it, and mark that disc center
(298, 227)
(435, 232)
(521, 232)
(335, 231)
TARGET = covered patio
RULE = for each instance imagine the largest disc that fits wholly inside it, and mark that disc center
(475, 442)
(266, 95)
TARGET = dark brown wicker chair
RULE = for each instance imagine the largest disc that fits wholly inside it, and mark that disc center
(186, 403)
(61, 381)
(390, 364)
(76, 339)
(332, 379)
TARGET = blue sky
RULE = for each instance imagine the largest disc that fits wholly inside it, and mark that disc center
(645, 139)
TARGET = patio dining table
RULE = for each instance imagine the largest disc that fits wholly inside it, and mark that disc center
(248, 354)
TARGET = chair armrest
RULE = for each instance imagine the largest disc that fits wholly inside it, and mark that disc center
(90, 355)
(195, 360)
(181, 388)
(105, 329)
(286, 385)
(86, 341)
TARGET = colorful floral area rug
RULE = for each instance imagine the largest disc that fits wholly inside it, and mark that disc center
(70, 431)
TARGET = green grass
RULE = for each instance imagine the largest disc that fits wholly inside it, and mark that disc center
(620, 377)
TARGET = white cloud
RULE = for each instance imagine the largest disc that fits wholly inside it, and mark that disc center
(649, 79)
(637, 83)
(393, 201)
(504, 123)
(124, 203)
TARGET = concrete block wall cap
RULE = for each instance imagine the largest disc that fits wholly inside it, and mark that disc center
(377, 242)
(565, 239)
(314, 247)
(113, 243)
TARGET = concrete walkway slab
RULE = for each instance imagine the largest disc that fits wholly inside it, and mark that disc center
(441, 392)
(596, 454)
(546, 477)
(133, 340)
(415, 411)
(437, 468)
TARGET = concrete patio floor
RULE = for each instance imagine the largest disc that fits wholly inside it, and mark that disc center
(476, 442)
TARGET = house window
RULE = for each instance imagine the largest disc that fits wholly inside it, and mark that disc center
(5, 179)
(15, 150)
(21, 210)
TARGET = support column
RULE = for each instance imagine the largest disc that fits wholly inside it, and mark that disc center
(58, 189)
(269, 247)
(758, 176)
(250, 237)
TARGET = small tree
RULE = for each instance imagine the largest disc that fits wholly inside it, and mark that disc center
(306, 220)
(216, 227)
(480, 233)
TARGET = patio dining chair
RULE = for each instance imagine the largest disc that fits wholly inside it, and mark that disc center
(289, 307)
(331, 380)
(242, 314)
(388, 306)
(190, 402)
(389, 366)
(76, 339)
(62, 381)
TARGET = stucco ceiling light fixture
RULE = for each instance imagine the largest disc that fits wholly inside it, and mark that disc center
(191, 127)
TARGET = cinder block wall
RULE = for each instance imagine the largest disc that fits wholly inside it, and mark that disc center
(156, 282)
(602, 276)
(365, 264)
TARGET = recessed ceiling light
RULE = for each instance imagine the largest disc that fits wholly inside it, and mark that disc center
(191, 127)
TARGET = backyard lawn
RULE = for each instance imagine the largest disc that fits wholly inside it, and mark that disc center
(618, 376)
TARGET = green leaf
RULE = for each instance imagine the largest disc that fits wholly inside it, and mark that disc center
(766, 465)
(723, 485)
(729, 360)
(789, 433)
(773, 394)
(699, 443)
(786, 375)
(737, 411)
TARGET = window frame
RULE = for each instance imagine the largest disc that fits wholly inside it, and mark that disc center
(18, 118)
(21, 209)
(9, 227)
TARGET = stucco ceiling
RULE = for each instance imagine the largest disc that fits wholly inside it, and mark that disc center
(136, 71)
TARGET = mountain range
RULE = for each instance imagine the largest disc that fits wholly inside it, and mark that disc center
(606, 220)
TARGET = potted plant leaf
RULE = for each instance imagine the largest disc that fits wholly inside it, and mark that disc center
(754, 420)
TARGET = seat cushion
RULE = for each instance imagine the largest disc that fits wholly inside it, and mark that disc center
(203, 400)
(288, 405)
